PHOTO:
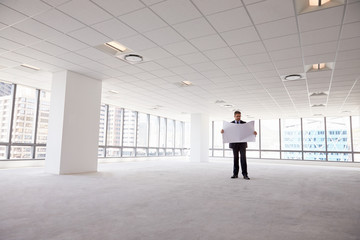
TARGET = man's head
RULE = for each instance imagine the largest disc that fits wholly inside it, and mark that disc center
(237, 115)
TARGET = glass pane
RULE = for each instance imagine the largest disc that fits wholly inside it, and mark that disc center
(211, 135)
(170, 134)
(113, 152)
(177, 152)
(185, 152)
(141, 152)
(128, 152)
(142, 130)
(43, 119)
(255, 145)
(314, 135)
(210, 153)
(218, 141)
(24, 115)
(270, 134)
(291, 155)
(356, 133)
(187, 135)
(218, 153)
(40, 153)
(102, 125)
(161, 152)
(101, 152)
(5, 113)
(315, 156)
(340, 157)
(152, 152)
(338, 134)
(252, 154)
(272, 155)
(154, 131)
(229, 153)
(114, 128)
(356, 157)
(290, 134)
(169, 152)
(129, 128)
(21, 152)
(3, 152)
(162, 132)
(178, 134)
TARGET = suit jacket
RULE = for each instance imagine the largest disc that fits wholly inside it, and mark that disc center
(238, 145)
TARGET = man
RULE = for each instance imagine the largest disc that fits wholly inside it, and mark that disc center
(239, 147)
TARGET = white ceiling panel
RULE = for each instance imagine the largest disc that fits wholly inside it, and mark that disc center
(351, 30)
(67, 42)
(321, 19)
(9, 16)
(271, 10)
(249, 48)
(176, 11)
(137, 42)
(194, 28)
(286, 54)
(118, 8)
(31, 25)
(29, 8)
(90, 36)
(240, 36)
(279, 43)
(59, 21)
(230, 20)
(256, 58)
(170, 62)
(318, 49)
(220, 53)
(8, 44)
(320, 36)
(164, 36)
(352, 13)
(277, 28)
(195, 57)
(321, 58)
(114, 29)
(84, 11)
(180, 48)
(18, 36)
(208, 42)
(228, 63)
(143, 20)
(49, 48)
(214, 6)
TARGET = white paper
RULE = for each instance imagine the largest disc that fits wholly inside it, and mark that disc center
(238, 132)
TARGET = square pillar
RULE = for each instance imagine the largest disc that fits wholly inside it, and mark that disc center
(199, 139)
(73, 134)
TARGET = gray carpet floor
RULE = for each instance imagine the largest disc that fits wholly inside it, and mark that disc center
(176, 199)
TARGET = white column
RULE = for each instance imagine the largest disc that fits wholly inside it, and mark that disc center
(199, 141)
(73, 134)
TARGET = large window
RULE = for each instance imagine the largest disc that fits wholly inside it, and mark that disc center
(170, 133)
(179, 132)
(154, 131)
(142, 131)
(129, 128)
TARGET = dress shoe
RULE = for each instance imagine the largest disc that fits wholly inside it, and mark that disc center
(234, 176)
(246, 177)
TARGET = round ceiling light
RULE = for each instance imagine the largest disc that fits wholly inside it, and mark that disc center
(133, 58)
(293, 77)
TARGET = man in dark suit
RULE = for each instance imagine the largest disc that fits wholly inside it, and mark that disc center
(239, 147)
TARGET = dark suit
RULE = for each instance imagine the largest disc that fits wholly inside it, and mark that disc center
(239, 147)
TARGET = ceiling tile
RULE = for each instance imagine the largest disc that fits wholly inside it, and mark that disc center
(137, 42)
(321, 19)
(29, 8)
(277, 28)
(196, 57)
(349, 44)
(149, 66)
(208, 42)
(320, 36)
(176, 11)
(67, 42)
(170, 62)
(279, 43)
(32, 26)
(85, 11)
(74, 58)
(194, 28)
(90, 36)
(59, 21)
(220, 53)
(240, 36)
(180, 48)
(249, 48)
(9, 45)
(92, 53)
(228, 63)
(18, 36)
(322, 48)
(270, 10)
(155, 53)
(214, 6)
(164, 36)
(143, 20)
(286, 54)
(55, 3)
(230, 20)
(118, 8)
(256, 58)
(321, 58)
(9, 16)
(352, 13)
(114, 29)
(350, 30)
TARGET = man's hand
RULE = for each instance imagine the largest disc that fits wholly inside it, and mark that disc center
(255, 133)
(222, 130)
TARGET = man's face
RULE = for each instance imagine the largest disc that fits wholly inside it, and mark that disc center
(237, 117)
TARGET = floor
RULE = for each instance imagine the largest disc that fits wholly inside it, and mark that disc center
(176, 199)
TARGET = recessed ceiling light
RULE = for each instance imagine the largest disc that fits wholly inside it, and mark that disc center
(219, 101)
(115, 45)
(228, 105)
(293, 77)
(318, 66)
(317, 2)
(318, 94)
(187, 83)
(318, 105)
(134, 58)
(31, 67)
(113, 91)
